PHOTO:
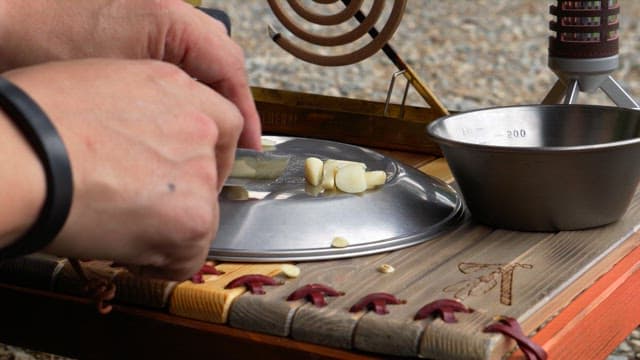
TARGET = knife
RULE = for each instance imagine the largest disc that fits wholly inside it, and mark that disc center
(250, 165)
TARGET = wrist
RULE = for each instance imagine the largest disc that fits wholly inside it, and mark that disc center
(40, 133)
(22, 183)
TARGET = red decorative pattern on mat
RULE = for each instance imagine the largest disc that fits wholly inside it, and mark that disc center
(444, 309)
(376, 302)
(253, 283)
(314, 293)
(509, 327)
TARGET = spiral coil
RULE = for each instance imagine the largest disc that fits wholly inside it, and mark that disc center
(352, 9)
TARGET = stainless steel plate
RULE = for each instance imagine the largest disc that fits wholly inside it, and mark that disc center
(285, 219)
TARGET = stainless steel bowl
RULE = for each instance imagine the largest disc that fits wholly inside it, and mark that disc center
(543, 167)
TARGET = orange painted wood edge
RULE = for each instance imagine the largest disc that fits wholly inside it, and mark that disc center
(599, 319)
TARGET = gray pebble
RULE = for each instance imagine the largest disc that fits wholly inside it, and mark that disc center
(617, 357)
(625, 347)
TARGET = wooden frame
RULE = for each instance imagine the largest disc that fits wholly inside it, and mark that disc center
(589, 328)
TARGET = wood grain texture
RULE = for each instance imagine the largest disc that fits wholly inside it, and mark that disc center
(154, 293)
(428, 283)
(574, 260)
(415, 160)
(210, 301)
(439, 169)
(272, 314)
(397, 333)
(347, 120)
(332, 325)
(335, 326)
(563, 265)
(605, 314)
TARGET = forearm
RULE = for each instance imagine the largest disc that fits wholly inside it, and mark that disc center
(21, 39)
(48, 30)
(22, 183)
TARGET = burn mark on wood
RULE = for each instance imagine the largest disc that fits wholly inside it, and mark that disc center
(489, 275)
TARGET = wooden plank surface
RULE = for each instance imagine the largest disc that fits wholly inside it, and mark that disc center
(248, 312)
(547, 271)
(142, 333)
(397, 332)
(599, 318)
(437, 168)
(211, 301)
(333, 325)
(411, 159)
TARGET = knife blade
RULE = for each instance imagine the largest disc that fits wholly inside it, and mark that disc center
(250, 165)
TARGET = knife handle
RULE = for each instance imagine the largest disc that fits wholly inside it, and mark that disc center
(218, 15)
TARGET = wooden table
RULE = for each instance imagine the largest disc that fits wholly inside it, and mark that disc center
(575, 293)
(591, 303)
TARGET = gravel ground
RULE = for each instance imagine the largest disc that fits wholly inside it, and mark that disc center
(472, 54)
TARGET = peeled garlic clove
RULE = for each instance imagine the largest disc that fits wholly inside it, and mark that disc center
(267, 144)
(351, 179)
(313, 170)
(375, 178)
(331, 166)
(328, 175)
(337, 164)
(290, 271)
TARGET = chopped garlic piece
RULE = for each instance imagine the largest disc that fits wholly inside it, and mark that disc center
(313, 169)
(291, 271)
(339, 242)
(331, 166)
(242, 169)
(386, 268)
(375, 178)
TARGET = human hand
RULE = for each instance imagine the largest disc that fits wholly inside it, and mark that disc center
(149, 148)
(167, 30)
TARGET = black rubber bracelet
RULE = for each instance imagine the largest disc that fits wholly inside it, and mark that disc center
(43, 137)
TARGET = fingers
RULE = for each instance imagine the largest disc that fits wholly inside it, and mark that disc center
(203, 49)
(239, 93)
(229, 124)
